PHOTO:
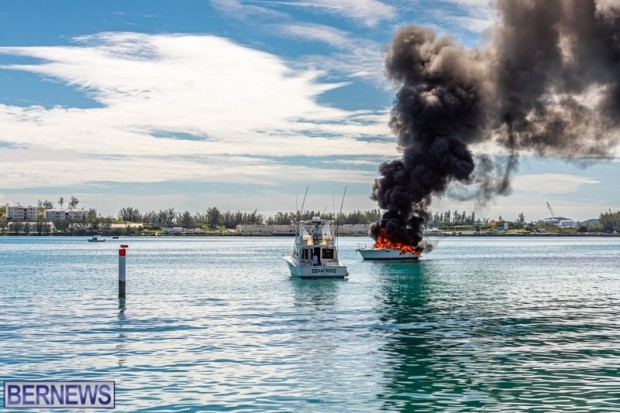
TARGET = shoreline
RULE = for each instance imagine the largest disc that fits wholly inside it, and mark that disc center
(264, 235)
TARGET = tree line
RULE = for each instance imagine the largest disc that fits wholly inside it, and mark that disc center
(47, 204)
(213, 217)
(456, 218)
(609, 221)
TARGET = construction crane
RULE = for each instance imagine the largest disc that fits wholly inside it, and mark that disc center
(550, 210)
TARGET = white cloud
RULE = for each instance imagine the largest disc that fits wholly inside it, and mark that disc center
(236, 9)
(472, 7)
(358, 162)
(40, 172)
(472, 15)
(359, 59)
(477, 4)
(551, 183)
(240, 101)
(472, 24)
(316, 32)
(366, 12)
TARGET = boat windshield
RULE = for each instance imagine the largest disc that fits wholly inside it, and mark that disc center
(326, 231)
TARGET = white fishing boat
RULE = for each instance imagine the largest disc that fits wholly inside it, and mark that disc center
(387, 254)
(315, 253)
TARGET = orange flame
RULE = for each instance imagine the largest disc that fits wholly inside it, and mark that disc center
(384, 242)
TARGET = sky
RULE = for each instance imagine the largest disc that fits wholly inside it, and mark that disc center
(238, 104)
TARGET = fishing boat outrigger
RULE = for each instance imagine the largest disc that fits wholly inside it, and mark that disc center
(315, 253)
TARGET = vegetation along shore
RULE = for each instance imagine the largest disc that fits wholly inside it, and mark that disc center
(44, 219)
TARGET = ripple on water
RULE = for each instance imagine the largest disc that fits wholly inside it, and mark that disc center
(480, 325)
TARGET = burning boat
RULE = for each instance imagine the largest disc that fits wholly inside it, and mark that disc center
(315, 253)
(387, 254)
(386, 250)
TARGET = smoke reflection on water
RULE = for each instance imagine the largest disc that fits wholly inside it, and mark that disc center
(402, 305)
(459, 336)
(427, 341)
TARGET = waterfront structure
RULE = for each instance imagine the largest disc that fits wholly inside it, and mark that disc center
(266, 229)
(172, 230)
(64, 214)
(560, 222)
(22, 213)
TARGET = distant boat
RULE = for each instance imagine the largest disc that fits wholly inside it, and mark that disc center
(315, 254)
(95, 239)
(283, 233)
(115, 237)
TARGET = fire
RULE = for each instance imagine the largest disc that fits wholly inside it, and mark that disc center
(384, 242)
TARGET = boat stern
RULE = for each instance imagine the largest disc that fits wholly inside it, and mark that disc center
(324, 271)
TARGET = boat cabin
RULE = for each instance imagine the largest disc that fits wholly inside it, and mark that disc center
(315, 253)
(315, 242)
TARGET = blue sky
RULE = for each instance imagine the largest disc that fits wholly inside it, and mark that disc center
(230, 103)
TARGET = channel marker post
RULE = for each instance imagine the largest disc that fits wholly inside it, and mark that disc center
(121, 270)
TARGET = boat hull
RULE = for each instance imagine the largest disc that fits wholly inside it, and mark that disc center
(315, 271)
(382, 254)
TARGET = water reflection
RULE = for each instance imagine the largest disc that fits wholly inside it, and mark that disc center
(435, 345)
(121, 346)
(403, 308)
(318, 294)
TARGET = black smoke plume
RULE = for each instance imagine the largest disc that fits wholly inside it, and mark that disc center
(547, 84)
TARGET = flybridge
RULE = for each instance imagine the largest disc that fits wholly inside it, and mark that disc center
(315, 251)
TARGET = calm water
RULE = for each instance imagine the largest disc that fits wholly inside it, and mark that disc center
(216, 324)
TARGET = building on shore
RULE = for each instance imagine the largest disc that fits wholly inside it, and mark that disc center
(560, 222)
(64, 214)
(132, 225)
(22, 213)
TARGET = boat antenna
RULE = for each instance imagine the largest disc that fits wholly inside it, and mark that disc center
(339, 214)
(297, 233)
(303, 203)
